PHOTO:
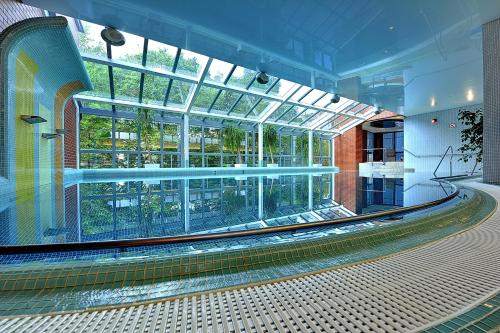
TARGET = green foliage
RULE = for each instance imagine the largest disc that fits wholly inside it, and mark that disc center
(302, 146)
(233, 136)
(270, 140)
(472, 135)
(233, 202)
(150, 131)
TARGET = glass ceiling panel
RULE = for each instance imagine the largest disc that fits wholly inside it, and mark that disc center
(191, 63)
(318, 117)
(260, 108)
(279, 112)
(154, 89)
(292, 113)
(244, 105)
(325, 101)
(284, 88)
(218, 71)
(313, 96)
(204, 98)
(90, 40)
(241, 77)
(131, 51)
(160, 56)
(100, 76)
(299, 94)
(225, 101)
(179, 93)
(256, 86)
(304, 116)
(126, 84)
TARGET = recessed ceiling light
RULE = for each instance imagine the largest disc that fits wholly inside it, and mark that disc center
(470, 95)
(391, 27)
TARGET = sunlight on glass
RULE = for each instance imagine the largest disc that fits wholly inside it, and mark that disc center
(131, 51)
(218, 70)
(90, 40)
(299, 94)
(313, 96)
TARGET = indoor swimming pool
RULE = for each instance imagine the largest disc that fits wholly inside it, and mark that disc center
(125, 241)
(151, 208)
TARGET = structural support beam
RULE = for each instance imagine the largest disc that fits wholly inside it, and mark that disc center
(185, 141)
(260, 135)
(261, 198)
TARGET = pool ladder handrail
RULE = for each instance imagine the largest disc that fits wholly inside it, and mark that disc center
(450, 148)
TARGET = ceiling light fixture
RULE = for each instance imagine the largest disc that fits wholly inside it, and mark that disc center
(335, 98)
(112, 36)
(262, 78)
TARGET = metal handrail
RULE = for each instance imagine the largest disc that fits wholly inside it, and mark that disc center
(442, 158)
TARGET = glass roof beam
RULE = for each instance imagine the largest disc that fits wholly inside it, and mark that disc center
(143, 62)
(170, 81)
(197, 87)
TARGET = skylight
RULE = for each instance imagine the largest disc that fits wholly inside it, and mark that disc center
(153, 75)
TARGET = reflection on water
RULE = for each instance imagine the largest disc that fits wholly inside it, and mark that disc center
(155, 208)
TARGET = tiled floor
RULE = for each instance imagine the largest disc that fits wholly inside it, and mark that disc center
(435, 287)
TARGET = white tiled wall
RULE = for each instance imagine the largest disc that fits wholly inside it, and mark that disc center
(491, 63)
(429, 141)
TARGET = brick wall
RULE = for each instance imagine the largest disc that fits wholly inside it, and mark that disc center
(349, 149)
(12, 11)
(70, 144)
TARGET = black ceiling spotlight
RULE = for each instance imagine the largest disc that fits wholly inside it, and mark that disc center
(335, 98)
(112, 36)
(262, 78)
(378, 109)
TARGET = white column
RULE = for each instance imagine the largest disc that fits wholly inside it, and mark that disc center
(185, 204)
(261, 144)
(310, 146)
(332, 146)
(310, 192)
(294, 150)
(261, 198)
(185, 141)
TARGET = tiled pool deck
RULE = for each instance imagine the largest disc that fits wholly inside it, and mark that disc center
(442, 284)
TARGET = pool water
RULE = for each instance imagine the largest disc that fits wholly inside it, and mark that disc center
(99, 211)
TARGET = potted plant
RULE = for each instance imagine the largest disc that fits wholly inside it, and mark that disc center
(472, 136)
(232, 137)
(271, 143)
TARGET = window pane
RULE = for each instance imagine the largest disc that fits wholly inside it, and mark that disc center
(90, 40)
(241, 77)
(100, 79)
(95, 132)
(179, 93)
(126, 84)
(126, 134)
(154, 89)
(131, 51)
(160, 56)
(191, 63)
(218, 70)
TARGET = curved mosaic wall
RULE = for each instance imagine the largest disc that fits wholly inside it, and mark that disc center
(41, 70)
